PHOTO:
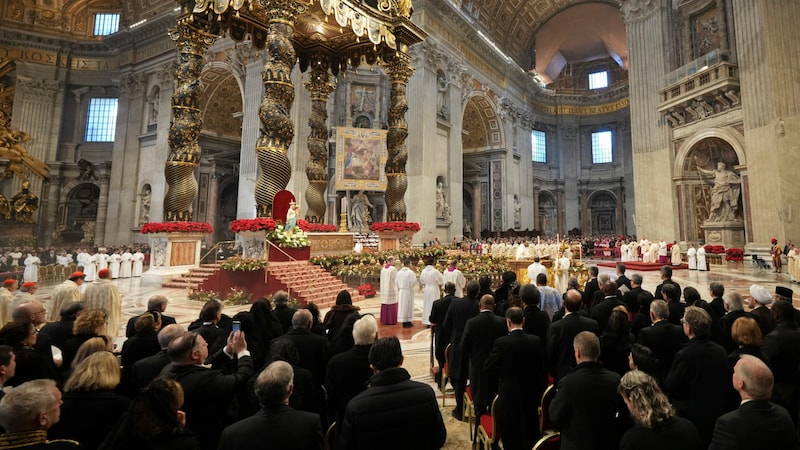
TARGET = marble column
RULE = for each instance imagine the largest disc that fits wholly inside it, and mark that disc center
(476, 209)
(620, 192)
(536, 217)
(50, 205)
(187, 122)
(586, 220)
(560, 213)
(320, 88)
(102, 210)
(253, 61)
(399, 70)
(213, 204)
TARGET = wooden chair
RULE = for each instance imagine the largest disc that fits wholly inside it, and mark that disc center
(445, 373)
(545, 423)
(58, 273)
(330, 437)
(487, 428)
(551, 441)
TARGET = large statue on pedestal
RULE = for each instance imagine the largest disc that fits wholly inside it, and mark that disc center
(360, 216)
(24, 204)
(724, 194)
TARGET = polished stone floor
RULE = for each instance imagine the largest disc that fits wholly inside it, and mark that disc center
(416, 341)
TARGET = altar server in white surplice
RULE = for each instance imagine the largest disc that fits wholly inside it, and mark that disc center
(125, 264)
(389, 292)
(453, 275)
(31, 268)
(113, 264)
(701, 259)
(138, 263)
(691, 255)
(432, 281)
(406, 282)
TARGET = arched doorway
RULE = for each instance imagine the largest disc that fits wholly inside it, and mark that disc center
(228, 199)
(603, 213)
(547, 213)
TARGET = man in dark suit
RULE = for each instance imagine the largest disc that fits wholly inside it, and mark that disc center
(210, 316)
(757, 423)
(782, 349)
(602, 310)
(698, 382)
(586, 403)
(592, 286)
(313, 348)
(438, 313)
(759, 299)
(146, 370)
(348, 372)
(717, 290)
(622, 280)
(480, 332)
(672, 295)
(734, 309)
(666, 278)
(536, 321)
(461, 310)
(663, 338)
(209, 394)
(517, 361)
(60, 331)
(560, 336)
(631, 298)
(394, 412)
(155, 303)
(276, 425)
(282, 311)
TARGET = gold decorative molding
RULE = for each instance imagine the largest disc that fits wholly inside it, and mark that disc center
(579, 110)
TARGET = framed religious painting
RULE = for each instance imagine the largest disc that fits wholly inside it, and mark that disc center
(360, 159)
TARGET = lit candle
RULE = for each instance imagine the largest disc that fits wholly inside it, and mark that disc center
(344, 203)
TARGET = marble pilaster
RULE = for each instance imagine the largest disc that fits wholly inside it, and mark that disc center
(248, 166)
(102, 209)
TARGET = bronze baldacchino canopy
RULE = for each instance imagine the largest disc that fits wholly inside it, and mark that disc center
(325, 37)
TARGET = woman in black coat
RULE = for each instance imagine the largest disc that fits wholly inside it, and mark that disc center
(31, 365)
(145, 342)
(336, 317)
(616, 342)
(90, 324)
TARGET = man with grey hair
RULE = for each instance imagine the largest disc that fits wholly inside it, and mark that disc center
(757, 423)
(586, 402)
(348, 372)
(631, 298)
(313, 348)
(27, 412)
(157, 303)
(35, 313)
(734, 309)
(147, 369)
(283, 312)
(698, 381)
(276, 425)
(663, 338)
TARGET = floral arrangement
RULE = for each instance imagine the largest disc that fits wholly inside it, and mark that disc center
(394, 226)
(716, 249)
(238, 296)
(734, 254)
(370, 264)
(367, 290)
(295, 239)
(200, 295)
(316, 227)
(176, 227)
(243, 264)
(257, 224)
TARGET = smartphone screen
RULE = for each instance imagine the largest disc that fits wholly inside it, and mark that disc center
(237, 326)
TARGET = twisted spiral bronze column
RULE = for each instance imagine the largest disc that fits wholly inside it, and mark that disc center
(277, 129)
(399, 69)
(184, 131)
(317, 166)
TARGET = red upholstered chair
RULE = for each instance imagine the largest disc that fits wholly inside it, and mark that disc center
(445, 372)
(487, 428)
(550, 441)
(545, 423)
(469, 411)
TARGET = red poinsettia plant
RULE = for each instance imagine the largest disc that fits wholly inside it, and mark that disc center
(257, 224)
(316, 227)
(176, 227)
(734, 254)
(394, 226)
(367, 290)
(716, 249)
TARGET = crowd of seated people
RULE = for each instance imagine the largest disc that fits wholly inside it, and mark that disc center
(627, 371)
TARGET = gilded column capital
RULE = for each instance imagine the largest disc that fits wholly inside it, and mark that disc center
(39, 90)
(284, 11)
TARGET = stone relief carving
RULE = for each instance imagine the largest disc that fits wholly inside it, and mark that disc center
(634, 10)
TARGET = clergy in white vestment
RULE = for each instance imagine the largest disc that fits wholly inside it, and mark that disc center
(406, 282)
(31, 268)
(16, 255)
(90, 266)
(535, 269)
(432, 282)
(389, 292)
(138, 263)
(691, 255)
(7, 299)
(625, 252)
(452, 274)
(676, 254)
(662, 252)
(562, 273)
(67, 292)
(701, 258)
(113, 264)
(101, 258)
(103, 294)
(26, 293)
(125, 264)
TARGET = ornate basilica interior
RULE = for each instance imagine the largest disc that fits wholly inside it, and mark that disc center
(667, 119)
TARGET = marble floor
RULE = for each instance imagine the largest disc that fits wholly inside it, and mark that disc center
(416, 341)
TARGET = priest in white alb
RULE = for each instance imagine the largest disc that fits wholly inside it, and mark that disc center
(406, 282)
(389, 292)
